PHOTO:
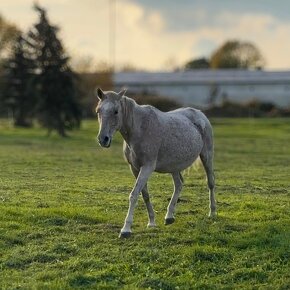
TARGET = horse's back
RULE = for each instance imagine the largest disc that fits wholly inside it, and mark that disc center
(195, 116)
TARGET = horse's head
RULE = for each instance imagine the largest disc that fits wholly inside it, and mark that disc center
(109, 115)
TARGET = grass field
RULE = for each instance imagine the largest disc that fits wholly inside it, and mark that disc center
(63, 202)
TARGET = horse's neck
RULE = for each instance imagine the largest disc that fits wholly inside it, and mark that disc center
(129, 121)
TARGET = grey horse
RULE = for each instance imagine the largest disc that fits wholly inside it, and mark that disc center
(156, 141)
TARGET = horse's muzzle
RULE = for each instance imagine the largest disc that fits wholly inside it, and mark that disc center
(105, 141)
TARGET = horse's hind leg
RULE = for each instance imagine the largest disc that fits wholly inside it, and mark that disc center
(206, 157)
(146, 199)
(177, 179)
(149, 207)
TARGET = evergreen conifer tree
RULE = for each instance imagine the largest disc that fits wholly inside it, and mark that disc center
(19, 91)
(58, 108)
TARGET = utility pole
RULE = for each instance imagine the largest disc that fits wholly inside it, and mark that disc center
(112, 33)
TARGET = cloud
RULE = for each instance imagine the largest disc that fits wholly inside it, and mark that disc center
(267, 32)
(144, 37)
(151, 46)
(141, 35)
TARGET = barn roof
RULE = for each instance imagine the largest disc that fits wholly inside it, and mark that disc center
(201, 77)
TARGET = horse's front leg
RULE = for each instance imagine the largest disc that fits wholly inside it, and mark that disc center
(145, 172)
(146, 199)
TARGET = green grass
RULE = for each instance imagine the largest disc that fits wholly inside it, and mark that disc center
(63, 202)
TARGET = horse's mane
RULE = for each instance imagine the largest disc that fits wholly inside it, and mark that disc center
(128, 106)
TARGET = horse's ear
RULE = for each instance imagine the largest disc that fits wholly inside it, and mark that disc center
(100, 94)
(122, 93)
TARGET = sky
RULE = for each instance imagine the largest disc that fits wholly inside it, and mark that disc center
(160, 35)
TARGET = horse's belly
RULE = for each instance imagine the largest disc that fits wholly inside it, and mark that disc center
(179, 151)
(170, 166)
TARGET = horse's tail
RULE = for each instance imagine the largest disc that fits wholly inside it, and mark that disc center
(181, 177)
(207, 134)
(202, 124)
(204, 127)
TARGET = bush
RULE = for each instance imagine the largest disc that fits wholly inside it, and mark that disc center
(254, 109)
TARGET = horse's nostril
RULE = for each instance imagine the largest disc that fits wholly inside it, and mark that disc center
(106, 139)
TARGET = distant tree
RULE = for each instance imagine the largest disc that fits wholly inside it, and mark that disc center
(83, 64)
(128, 67)
(8, 34)
(198, 63)
(237, 54)
(170, 64)
(88, 82)
(91, 75)
(104, 67)
(58, 108)
(19, 91)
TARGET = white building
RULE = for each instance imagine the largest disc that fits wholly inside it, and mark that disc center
(202, 87)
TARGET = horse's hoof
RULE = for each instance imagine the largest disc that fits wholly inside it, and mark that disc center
(212, 214)
(169, 221)
(151, 225)
(125, 235)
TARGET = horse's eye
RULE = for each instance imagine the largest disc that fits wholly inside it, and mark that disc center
(116, 112)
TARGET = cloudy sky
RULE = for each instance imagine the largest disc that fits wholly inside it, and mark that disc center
(156, 35)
